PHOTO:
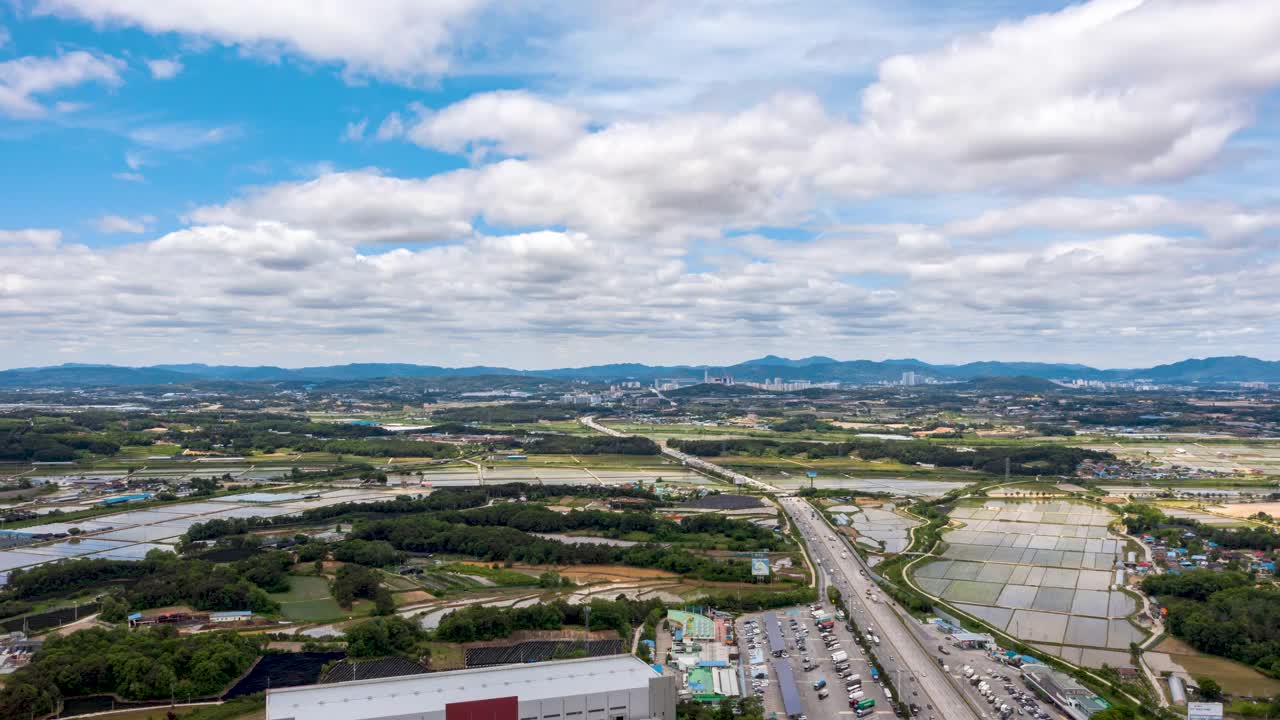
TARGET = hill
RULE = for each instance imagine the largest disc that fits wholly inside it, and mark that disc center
(817, 368)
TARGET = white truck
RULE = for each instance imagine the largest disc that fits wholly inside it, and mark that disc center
(968, 672)
(839, 657)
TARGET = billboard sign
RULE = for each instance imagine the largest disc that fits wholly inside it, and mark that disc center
(1204, 711)
(760, 565)
(812, 474)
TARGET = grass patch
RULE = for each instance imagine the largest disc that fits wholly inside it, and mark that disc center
(500, 576)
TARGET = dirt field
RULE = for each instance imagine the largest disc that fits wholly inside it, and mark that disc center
(413, 596)
(1244, 510)
(1235, 678)
(600, 573)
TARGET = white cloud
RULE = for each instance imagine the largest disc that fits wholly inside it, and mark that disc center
(4, 36)
(129, 176)
(355, 207)
(164, 68)
(36, 238)
(118, 224)
(392, 127)
(508, 122)
(183, 136)
(394, 39)
(1222, 221)
(1091, 92)
(134, 160)
(25, 78)
(354, 131)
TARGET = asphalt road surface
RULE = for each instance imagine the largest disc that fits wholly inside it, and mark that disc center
(912, 666)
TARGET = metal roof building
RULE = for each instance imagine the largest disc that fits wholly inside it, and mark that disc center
(791, 703)
(620, 687)
(773, 633)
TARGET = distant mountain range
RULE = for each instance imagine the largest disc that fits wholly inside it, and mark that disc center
(818, 369)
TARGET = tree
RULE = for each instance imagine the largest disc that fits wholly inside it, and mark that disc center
(1208, 688)
(113, 609)
(549, 579)
(383, 603)
(381, 637)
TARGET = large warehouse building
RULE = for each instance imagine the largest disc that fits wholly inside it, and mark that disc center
(619, 687)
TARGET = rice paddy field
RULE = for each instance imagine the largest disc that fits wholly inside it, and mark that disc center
(888, 530)
(1040, 571)
(1211, 454)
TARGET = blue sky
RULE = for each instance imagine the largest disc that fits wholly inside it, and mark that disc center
(533, 184)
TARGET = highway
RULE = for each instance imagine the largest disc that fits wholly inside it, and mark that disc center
(689, 460)
(914, 668)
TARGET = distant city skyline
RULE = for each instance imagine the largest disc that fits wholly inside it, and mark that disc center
(543, 185)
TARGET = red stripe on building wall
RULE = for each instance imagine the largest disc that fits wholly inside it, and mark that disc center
(505, 708)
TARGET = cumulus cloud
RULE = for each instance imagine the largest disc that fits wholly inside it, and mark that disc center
(1092, 91)
(508, 122)
(394, 39)
(164, 68)
(24, 79)
(1221, 220)
(35, 238)
(119, 224)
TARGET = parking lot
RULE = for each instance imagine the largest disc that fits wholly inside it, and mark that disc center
(805, 647)
(998, 675)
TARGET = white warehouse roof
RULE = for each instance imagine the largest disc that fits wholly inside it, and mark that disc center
(388, 697)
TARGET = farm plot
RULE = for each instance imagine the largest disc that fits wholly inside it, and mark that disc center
(1040, 571)
(881, 525)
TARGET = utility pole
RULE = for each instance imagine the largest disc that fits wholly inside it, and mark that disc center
(1006, 469)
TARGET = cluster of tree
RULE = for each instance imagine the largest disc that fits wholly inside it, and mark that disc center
(356, 581)
(479, 622)
(266, 433)
(1223, 614)
(374, 554)
(737, 534)
(1143, 518)
(423, 534)
(385, 636)
(441, 500)
(799, 423)
(740, 709)
(1023, 460)
(556, 444)
(137, 665)
(163, 579)
(512, 413)
(61, 441)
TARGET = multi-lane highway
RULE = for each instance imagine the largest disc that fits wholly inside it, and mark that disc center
(913, 667)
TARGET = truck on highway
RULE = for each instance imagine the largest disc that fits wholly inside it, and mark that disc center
(857, 695)
(839, 657)
(876, 638)
(866, 703)
(865, 712)
(823, 694)
(819, 684)
(968, 672)
(888, 694)
(875, 674)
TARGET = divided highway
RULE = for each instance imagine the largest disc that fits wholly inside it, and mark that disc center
(915, 671)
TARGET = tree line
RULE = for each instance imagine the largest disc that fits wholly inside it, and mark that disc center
(162, 579)
(147, 664)
(1023, 460)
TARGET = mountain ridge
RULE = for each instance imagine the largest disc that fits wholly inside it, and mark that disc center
(1233, 368)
